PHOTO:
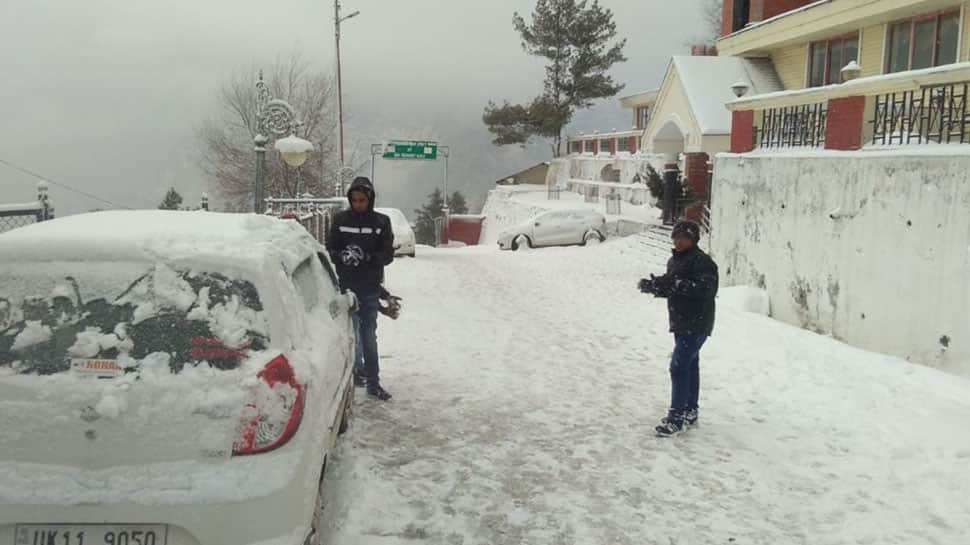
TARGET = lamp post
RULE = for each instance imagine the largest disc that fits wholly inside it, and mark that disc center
(337, 19)
(275, 118)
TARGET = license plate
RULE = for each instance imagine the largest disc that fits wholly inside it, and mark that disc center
(97, 368)
(91, 534)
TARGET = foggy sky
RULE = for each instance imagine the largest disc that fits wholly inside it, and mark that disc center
(106, 95)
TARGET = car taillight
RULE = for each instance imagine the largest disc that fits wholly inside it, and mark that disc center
(273, 416)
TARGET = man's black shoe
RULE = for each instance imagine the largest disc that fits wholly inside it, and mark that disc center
(359, 381)
(377, 392)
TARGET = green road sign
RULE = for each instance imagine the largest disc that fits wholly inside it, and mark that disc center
(406, 149)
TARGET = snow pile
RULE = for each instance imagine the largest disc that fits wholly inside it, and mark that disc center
(34, 333)
(745, 299)
(230, 240)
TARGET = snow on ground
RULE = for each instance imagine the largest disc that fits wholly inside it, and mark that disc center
(527, 386)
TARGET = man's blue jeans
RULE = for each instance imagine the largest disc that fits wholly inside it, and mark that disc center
(685, 378)
(367, 360)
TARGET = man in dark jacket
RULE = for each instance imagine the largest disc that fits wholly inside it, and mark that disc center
(690, 286)
(361, 244)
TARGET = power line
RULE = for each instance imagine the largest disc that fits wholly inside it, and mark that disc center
(62, 186)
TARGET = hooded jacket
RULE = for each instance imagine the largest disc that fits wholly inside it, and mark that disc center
(690, 287)
(366, 235)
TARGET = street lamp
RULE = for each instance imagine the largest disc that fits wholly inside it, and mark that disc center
(275, 118)
(337, 19)
(740, 88)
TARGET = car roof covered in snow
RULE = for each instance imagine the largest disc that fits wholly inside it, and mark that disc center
(164, 235)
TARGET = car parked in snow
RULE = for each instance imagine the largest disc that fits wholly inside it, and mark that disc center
(168, 378)
(556, 228)
(404, 240)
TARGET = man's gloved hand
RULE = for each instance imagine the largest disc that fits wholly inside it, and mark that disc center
(352, 256)
(646, 285)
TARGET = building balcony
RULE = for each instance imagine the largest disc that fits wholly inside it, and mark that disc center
(608, 144)
(908, 108)
(820, 20)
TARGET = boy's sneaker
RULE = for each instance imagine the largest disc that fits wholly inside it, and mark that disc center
(670, 426)
(690, 417)
(375, 391)
(359, 381)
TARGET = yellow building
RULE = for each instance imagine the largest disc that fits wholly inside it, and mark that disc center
(872, 51)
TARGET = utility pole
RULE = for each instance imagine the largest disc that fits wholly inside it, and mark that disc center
(337, 19)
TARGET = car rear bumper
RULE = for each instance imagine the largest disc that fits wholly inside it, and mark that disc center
(280, 519)
(219, 511)
(404, 249)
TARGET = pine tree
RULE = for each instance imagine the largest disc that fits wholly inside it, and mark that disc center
(577, 39)
(424, 227)
(457, 203)
(173, 201)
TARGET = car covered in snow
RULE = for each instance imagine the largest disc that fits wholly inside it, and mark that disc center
(404, 240)
(556, 228)
(168, 378)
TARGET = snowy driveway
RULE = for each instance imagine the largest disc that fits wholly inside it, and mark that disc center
(526, 390)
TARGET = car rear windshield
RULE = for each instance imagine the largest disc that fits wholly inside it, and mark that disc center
(104, 318)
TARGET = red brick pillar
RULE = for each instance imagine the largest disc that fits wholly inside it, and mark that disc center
(696, 177)
(843, 130)
(742, 131)
(633, 144)
(596, 146)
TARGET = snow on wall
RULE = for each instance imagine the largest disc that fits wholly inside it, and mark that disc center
(621, 169)
(871, 248)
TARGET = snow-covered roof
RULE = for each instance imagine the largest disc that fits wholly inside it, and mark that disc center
(639, 99)
(236, 239)
(708, 80)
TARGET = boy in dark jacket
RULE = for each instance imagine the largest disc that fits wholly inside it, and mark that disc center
(690, 287)
(361, 244)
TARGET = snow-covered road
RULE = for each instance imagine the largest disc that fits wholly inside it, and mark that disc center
(527, 386)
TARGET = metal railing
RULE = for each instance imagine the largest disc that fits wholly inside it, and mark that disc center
(591, 194)
(554, 193)
(14, 216)
(316, 215)
(931, 114)
(793, 126)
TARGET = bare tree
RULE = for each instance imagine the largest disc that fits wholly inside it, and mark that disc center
(709, 24)
(228, 158)
(711, 11)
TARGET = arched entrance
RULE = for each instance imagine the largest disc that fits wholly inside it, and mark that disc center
(669, 141)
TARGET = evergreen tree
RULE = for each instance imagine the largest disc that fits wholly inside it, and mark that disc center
(457, 203)
(577, 39)
(424, 228)
(173, 201)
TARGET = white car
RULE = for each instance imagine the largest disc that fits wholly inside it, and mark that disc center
(168, 378)
(556, 228)
(404, 240)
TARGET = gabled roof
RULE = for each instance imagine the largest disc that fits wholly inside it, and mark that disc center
(707, 82)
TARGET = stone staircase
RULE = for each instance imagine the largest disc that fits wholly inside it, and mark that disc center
(656, 240)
